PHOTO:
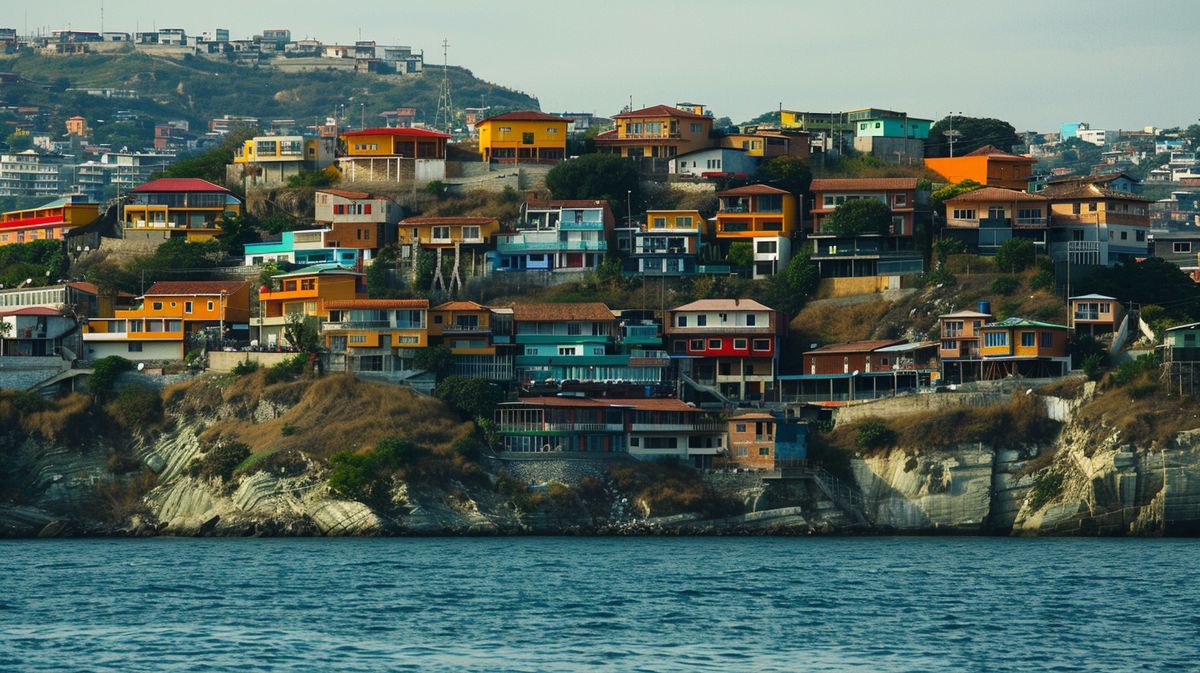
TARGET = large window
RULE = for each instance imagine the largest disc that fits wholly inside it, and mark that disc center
(996, 339)
(1028, 339)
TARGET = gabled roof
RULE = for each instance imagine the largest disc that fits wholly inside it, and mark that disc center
(524, 116)
(594, 311)
(855, 346)
(195, 287)
(31, 310)
(1023, 322)
(180, 185)
(84, 286)
(985, 194)
(325, 269)
(345, 304)
(448, 220)
(460, 306)
(965, 314)
(1191, 325)
(723, 305)
(566, 203)
(993, 152)
(660, 111)
(1095, 296)
(398, 132)
(1075, 190)
(753, 416)
(347, 194)
(751, 190)
(862, 184)
(1099, 179)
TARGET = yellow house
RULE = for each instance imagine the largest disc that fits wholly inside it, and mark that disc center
(306, 292)
(527, 136)
(755, 211)
(407, 143)
(463, 326)
(49, 221)
(668, 220)
(179, 207)
(660, 131)
(446, 232)
(375, 336)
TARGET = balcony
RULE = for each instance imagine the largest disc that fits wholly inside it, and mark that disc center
(535, 426)
(1030, 222)
(1092, 316)
(511, 246)
(371, 324)
(678, 427)
(465, 329)
(586, 225)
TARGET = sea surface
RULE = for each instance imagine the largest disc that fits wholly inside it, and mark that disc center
(600, 604)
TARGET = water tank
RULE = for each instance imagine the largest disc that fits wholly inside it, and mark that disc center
(985, 306)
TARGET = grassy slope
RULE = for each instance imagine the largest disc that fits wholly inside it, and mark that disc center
(198, 88)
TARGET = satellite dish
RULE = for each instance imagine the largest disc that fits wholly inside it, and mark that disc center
(141, 366)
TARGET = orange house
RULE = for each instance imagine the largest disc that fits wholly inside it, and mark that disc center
(752, 440)
(660, 131)
(165, 321)
(49, 221)
(305, 292)
(988, 165)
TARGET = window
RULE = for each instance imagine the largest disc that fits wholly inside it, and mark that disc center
(742, 451)
(1141, 236)
(187, 307)
(764, 450)
(963, 214)
(682, 321)
(996, 339)
(900, 200)
(696, 128)
(1028, 339)
(950, 345)
(526, 138)
(531, 350)
(739, 427)
(574, 329)
(766, 247)
(441, 233)
(762, 344)
(551, 130)
(506, 129)
(1075, 208)
(366, 208)
(212, 306)
(157, 306)
(470, 233)
(750, 320)
(697, 344)
(714, 344)
(739, 344)
(1092, 207)
(566, 350)
(1047, 339)
(134, 347)
(701, 320)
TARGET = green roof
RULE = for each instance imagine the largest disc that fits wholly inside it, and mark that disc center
(325, 268)
(1024, 322)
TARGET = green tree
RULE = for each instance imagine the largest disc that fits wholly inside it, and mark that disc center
(19, 142)
(210, 164)
(741, 254)
(40, 262)
(471, 397)
(1152, 281)
(940, 196)
(312, 179)
(786, 172)
(790, 289)
(121, 134)
(426, 264)
(301, 331)
(236, 232)
(857, 217)
(596, 176)
(435, 359)
(1015, 255)
(5, 329)
(974, 132)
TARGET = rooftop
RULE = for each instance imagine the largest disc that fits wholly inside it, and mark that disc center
(194, 287)
(180, 185)
(752, 190)
(993, 152)
(345, 304)
(863, 184)
(660, 111)
(460, 306)
(398, 132)
(1024, 322)
(856, 346)
(524, 116)
(594, 311)
(641, 404)
(723, 305)
(987, 194)
(448, 220)
(326, 269)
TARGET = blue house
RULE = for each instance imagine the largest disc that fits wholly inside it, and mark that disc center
(585, 342)
(557, 236)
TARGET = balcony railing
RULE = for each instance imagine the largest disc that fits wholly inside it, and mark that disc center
(557, 246)
(678, 427)
(371, 324)
(535, 426)
(1036, 222)
(463, 329)
(1087, 315)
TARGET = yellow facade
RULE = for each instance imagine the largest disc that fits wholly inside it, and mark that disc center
(660, 131)
(658, 220)
(463, 326)
(48, 222)
(755, 211)
(446, 232)
(521, 137)
(182, 207)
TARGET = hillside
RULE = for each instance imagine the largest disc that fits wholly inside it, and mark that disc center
(198, 89)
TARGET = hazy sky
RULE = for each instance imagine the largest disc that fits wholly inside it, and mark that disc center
(1035, 63)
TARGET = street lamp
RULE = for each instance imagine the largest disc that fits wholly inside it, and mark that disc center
(629, 208)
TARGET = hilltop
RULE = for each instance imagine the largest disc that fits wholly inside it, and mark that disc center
(198, 89)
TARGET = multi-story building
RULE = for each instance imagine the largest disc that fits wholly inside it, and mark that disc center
(38, 332)
(889, 135)
(558, 236)
(986, 218)
(988, 165)
(730, 345)
(873, 253)
(1096, 314)
(1180, 248)
(668, 243)
(358, 220)
(269, 161)
(127, 170)
(659, 132)
(861, 370)
(453, 235)
(30, 174)
(526, 136)
(714, 162)
(304, 292)
(761, 441)
(975, 348)
(407, 155)
(1090, 224)
(75, 298)
(47, 222)
(960, 335)
(171, 318)
(377, 338)
(582, 342)
(645, 428)
(479, 338)
(178, 207)
(308, 246)
(763, 217)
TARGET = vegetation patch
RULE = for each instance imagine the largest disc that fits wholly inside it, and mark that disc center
(219, 460)
(665, 488)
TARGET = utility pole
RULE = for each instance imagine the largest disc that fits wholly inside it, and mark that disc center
(952, 135)
(444, 118)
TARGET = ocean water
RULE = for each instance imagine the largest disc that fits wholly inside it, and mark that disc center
(600, 604)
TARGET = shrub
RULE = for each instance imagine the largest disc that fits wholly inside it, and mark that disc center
(434, 359)
(1130, 370)
(1005, 285)
(244, 367)
(874, 435)
(1093, 365)
(287, 370)
(220, 460)
(1045, 488)
(136, 407)
(1042, 280)
(104, 375)
(1015, 255)
(365, 475)
(944, 247)
(859, 216)
(288, 430)
(471, 397)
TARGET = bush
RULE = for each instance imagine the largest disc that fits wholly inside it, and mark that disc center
(104, 375)
(136, 407)
(944, 247)
(470, 397)
(365, 475)
(244, 367)
(1130, 370)
(287, 370)
(1016, 255)
(1093, 365)
(1042, 280)
(1005, 285)
(288, 430)
(1045, 488)
(220, 461)
(434, 359)
(874, 435)
(859, 216)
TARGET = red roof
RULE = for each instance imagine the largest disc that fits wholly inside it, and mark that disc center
(993, 152)
(32, 310)
(347, 194)
(525, 116)
(659, 111)
(399, 132)
(180, 185)
(84, 286)
(195, 287)
(376, 303)
(986, 194)
(448, 220)
(856, 346)
(864, 184)
(751, 190)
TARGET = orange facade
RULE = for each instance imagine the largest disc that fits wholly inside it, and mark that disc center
(987, 166)
(752, 441)
(48, 222)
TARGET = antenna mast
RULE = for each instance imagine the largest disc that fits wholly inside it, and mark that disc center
(444, 120)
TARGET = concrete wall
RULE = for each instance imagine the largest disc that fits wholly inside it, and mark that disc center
(848, 287)
(151, 350)
(896, 406)
(222, 362)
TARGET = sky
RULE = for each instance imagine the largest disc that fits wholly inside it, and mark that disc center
(1036, 64)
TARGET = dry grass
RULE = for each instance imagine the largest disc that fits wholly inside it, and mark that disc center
(67, 419)
(665, 489)
(123, 497)
(833, 323)
(1142, 418)
(1067, 388)
(1020, 422)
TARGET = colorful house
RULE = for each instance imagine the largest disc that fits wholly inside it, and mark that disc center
(988, 165)
(479, 337)
(302, 292)
(171, 318)
(762, 216)
(761, 441)
(889, 135)
(407, 155)
(1096, 314)
(986, 218)
(377, 338)
(727, 348)
(268, 161)
(861, 370)
(668, 243)
(308, 247)
(875, 253)
(472, 233)
(1091, 224)
(557, 235)
(960, 333)
(1021, 347)
(177, 208)
(526, 136)
(47, 222)
(37, 331)
(659, 132)
(580, 342)
(357, 219)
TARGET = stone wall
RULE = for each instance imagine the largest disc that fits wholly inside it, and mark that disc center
(222, 362)
(909, 404)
